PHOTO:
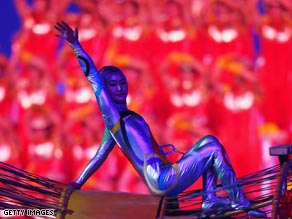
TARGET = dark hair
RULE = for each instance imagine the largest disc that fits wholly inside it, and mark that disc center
(109, 69)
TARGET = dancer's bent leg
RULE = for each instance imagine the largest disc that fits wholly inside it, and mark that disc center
(209, 155)
(226, 175)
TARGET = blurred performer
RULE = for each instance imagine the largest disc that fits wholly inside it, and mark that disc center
(238, 98)
(173, 30)
(275, 72)
(10, 149)
(129, 36)
(44, 151)
(225, 29)
(9, 105)
(132, 134)
(34, 85)
(34, 38)
(185, 80)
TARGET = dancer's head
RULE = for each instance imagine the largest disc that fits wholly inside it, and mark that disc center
(116, 83)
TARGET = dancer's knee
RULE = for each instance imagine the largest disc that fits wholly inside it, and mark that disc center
(209, 139)
(206, 141)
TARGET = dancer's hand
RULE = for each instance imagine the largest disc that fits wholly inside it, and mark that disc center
(68, 190)
(66, 32)
(73, 186)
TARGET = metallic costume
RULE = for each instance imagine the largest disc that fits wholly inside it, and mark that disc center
(131, 133)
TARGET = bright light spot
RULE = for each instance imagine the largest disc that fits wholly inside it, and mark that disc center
(5, 152)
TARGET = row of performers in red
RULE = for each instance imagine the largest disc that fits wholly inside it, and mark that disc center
(225, 79)
(53, 130)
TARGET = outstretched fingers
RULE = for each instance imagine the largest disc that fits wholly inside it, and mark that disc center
(63, 25)
(60, 26)
(66, 32)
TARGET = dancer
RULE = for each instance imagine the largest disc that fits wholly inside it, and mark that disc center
(132, 134)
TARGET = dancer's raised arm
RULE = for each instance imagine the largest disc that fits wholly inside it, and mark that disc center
(106, 105)
(85, 61)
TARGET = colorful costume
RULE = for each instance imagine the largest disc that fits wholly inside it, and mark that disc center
(132, 134)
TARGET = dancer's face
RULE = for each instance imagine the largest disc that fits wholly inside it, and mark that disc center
(117, 86)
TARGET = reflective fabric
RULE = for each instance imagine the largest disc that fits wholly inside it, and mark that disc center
(132, 134)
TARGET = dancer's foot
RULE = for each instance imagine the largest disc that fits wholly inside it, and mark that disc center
(215, 203)
(241, 204)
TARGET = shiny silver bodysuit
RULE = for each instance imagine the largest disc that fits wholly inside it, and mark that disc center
(131, 133)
